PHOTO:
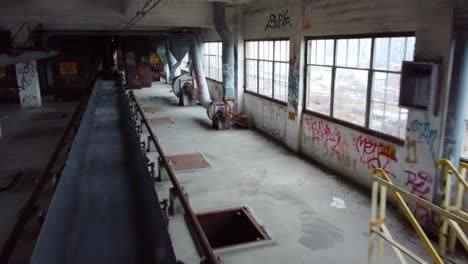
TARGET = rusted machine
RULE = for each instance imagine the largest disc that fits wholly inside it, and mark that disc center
(185, 89)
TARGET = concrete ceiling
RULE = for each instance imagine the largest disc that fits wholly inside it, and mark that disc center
(107, 14)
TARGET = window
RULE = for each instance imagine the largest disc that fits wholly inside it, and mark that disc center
(184, 65)
(213, 55)
(357, 80)
(267, 68)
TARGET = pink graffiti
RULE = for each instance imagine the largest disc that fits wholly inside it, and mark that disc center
(375, 154)
(321, 131)
(422, 214)
(420, 185)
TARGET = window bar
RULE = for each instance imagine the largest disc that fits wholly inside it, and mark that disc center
(388, 53)
(405, 48)
(258, 68)
(369, 85)
(315, 51)
(347, 51)
(332, 90)
(273, 73)
(385, 102)
(358, 52)
(246, 82)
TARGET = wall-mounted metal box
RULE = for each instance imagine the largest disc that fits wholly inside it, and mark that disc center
(418, 84)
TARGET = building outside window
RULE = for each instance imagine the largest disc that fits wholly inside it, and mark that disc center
(357, 80)
(267, 68)
(213, 59)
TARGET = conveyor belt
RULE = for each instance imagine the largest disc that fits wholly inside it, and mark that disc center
(105, 209)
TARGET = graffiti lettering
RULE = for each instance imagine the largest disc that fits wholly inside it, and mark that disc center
(375, 154)
(274, 120)
(26, 73)
(418, 182)
(340, 153)
(420, 185)
(278, 21)
(293, 86)
(424, 132)
(321, 131)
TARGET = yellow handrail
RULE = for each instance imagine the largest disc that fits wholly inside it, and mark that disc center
(452, 168)
(451, 229)
(427, 243)
(463, 165)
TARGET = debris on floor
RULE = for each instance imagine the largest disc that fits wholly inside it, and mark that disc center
(338, 203)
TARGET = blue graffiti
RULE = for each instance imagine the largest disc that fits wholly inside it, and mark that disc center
(293, 86)
(424, 133)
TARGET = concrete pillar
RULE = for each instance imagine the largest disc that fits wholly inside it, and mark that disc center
(296, 75)
(28, 84)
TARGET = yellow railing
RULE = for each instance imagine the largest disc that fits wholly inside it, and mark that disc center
(451, 229)
(380, 183)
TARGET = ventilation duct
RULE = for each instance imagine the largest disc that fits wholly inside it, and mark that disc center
(203, 92)
(228, 49)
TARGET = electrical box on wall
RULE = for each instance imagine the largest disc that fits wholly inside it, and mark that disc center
(418, 84)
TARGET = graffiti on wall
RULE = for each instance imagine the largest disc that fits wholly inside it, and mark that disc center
(419, 183)
(375, 154)
(228, 82)
(274, 120)
(321, 131)
(424, 133)
(28, 84)
(293, 86)
(278, 21)
(334, 146)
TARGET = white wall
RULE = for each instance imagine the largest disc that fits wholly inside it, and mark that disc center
(28, 84)
(349, 151)
(267, 116)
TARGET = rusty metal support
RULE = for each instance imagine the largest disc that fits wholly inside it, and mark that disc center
(210, 257)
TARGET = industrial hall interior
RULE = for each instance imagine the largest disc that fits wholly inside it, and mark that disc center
(233, 131)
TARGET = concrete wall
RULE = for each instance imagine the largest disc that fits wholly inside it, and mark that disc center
(267, 116)
(353, 153)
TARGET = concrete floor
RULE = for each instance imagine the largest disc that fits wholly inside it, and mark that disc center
(27, 146)
(291, 197)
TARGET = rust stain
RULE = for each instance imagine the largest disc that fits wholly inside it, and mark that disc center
(188, 161)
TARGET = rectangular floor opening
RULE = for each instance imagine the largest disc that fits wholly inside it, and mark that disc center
(188, 161)
(231, 227)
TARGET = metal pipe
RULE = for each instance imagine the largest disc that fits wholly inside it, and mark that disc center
(454, 117)
(227, 38)
(141, 13)
(203, 92)
(210, 257)
(454, 128)
(174, 66)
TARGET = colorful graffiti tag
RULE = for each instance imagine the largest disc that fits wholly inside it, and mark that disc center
(321, 131)
(419, 184)
(375, 154)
